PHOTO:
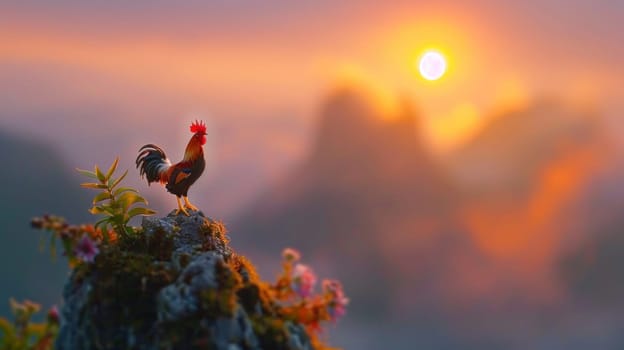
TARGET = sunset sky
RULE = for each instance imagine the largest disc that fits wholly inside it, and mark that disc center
(72, 72)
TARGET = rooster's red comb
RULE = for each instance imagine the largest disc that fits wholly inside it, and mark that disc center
(198, 127)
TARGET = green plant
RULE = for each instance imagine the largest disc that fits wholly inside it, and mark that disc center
(23, 334)
(117, 204)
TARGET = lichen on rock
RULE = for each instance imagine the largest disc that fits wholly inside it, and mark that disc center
(174, 284)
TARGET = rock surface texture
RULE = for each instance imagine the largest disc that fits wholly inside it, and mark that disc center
(174, 284)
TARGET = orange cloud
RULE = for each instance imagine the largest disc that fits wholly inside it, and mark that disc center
(528, 232)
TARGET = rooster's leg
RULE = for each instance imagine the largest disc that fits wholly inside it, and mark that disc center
(188, 204)
(181, 208)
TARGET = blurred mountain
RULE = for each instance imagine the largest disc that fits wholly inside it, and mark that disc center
(542, 199)
(589, 267)
(371, 207)
(527, 179)
(448, 251)
(35, 181)
(516, 145)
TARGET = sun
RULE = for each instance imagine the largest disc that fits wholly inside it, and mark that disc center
(432, 65)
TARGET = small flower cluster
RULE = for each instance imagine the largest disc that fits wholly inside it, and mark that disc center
(117, 205)
(22, 333)
(295, 290)
(335, 298)
(80, 242)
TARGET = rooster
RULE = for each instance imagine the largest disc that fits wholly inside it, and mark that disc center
(177, 178)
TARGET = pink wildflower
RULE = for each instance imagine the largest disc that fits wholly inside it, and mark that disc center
(86, 249)
(336, 300)
(53, 315)
(291, 255)
(303, 281)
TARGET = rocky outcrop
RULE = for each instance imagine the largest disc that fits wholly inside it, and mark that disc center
(174, 284)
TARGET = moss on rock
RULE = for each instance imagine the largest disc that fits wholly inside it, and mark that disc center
(175, 284)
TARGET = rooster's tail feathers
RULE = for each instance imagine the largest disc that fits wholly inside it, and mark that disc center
(153, 164)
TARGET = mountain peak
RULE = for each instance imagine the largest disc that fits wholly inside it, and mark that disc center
(353, 129)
